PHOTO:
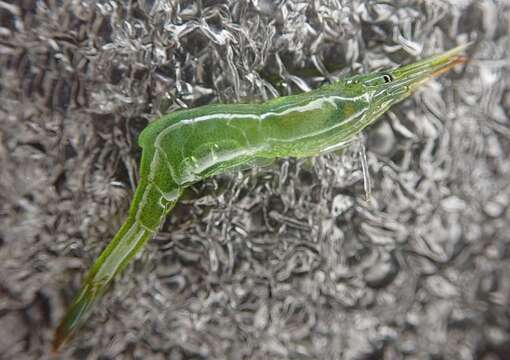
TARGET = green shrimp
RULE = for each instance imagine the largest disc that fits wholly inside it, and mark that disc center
(187, 146)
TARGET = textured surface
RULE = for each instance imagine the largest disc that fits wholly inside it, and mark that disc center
(288, 261)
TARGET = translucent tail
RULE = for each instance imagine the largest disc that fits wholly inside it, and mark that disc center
(126, 243)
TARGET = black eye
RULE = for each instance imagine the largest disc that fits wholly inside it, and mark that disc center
(387, 78)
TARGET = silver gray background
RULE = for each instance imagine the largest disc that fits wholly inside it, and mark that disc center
(288, 261)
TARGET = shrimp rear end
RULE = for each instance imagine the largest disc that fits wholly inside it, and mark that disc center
(148, 209)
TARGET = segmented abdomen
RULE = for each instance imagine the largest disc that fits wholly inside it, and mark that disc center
(197, 143)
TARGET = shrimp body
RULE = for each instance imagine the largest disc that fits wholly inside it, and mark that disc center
(187, 146)
(197, 143)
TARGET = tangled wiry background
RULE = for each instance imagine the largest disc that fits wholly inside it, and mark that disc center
(290, 261)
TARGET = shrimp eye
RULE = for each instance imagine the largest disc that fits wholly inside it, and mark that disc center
(387, 78)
